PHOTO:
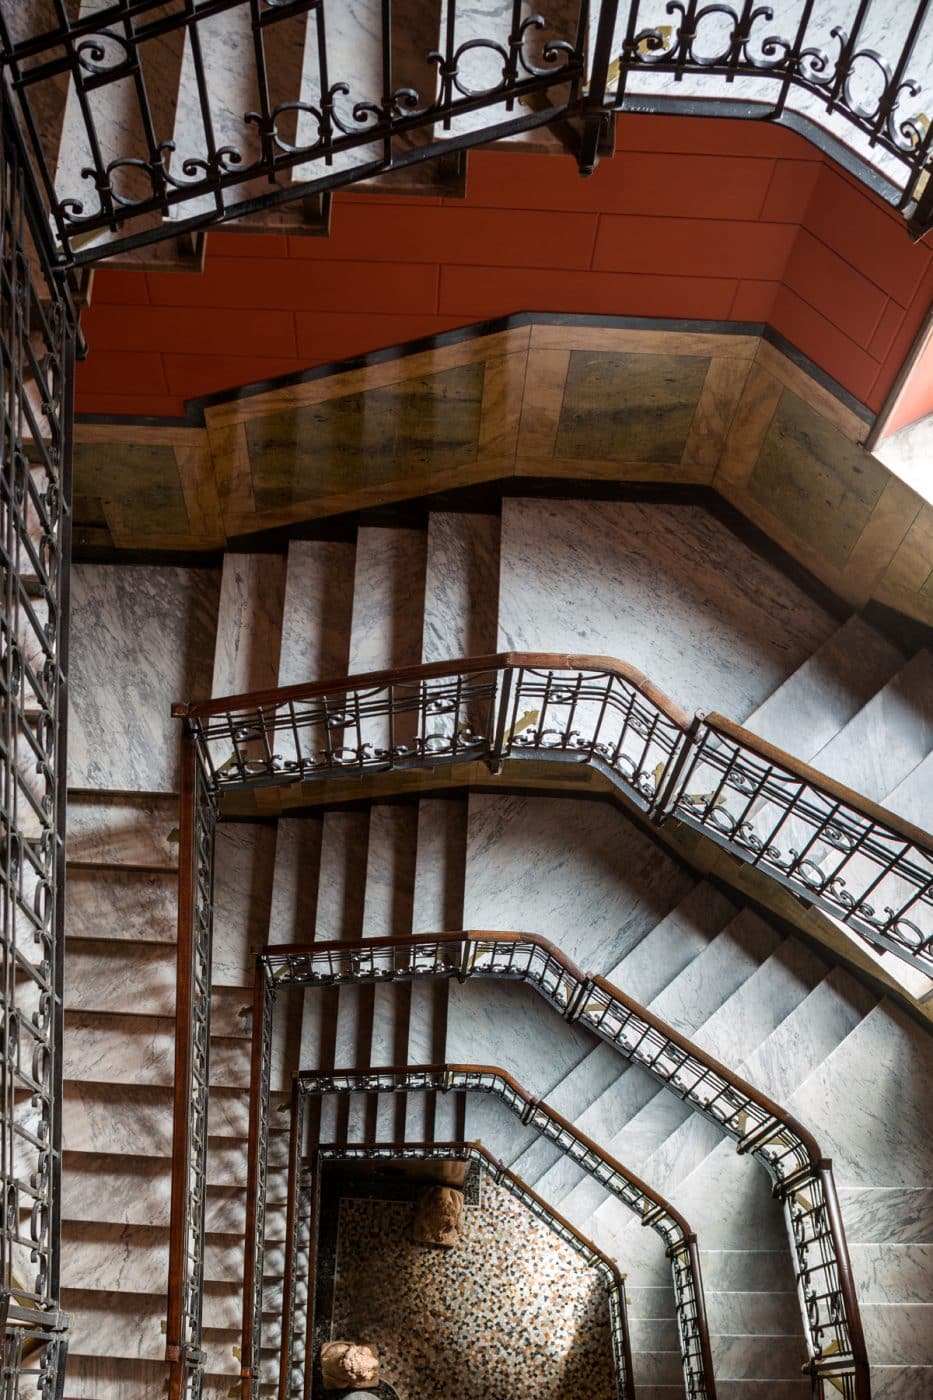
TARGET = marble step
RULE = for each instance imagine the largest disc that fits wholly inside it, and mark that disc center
(899, 1334)
(126, 1327)
(901, 1382)
(317, 611)
(111, 1048)
(911, 798)
(98, 973)
(124, 1190)
(90, 1377)
(243, 884)
(388, 900)
(122, 829)
(461, 593)
(887, 1215)
(147, 629)
(109, 903)
(295, 879)
(249, 623)
(685, 1003)
(665, 1140)
(810, 708)
(388, 598)
(99, 1256)
(667, 587)
(656, 961)
(581, 873)
(888, 737)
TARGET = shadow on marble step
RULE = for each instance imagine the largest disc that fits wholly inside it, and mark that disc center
(758, 1314)
(388, 901)
(249, 623)
(115, 1324)
(748, 1271)
(675, 941)
(911, 798)
(244, 869)
(753, 1358)
(117, 1189)
(652, 1334)
(440, 864)
(656, 1367)
(99, 971)
(388, 598)
(887, 1215)
(121, 904)
(122, 829)
(117, 1118)
(108, 1047)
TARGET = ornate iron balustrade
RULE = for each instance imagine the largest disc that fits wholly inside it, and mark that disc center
(646, 1204)
(612, 1280)
(147, 119)
(37, 352)
(802, 1178)
(864, 866)
(192, 1078)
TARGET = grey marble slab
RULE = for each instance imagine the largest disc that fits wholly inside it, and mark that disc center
(887, 1214)
(901, 1382)
(580, 873)
(99, 972)
(249, 623)
(131, 905)
(892, 1273)
(461, 586)
(888, 737)
(665, 587)
(509, 1025)
(116, 1189)
(341, 884)
(811, 1032)
(440, 863)
(719, 970)
(243, 880)
(912, 799)
(110, 1325)
(388, 599)
(295, 880)
(679, 937)
(117, 1118)
(899, 1334)
(149, 630)
(123, 829)
(317, 609)
(743, 1273)
(114, 1257)
(390, 870)
(869, 1102)
(831, 686)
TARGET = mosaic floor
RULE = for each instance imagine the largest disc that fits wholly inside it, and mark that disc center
(511, 1313)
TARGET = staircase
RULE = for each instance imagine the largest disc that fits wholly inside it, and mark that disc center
(672, 590)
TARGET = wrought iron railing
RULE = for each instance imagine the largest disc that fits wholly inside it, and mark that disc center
(802, 1178)
(604, 1268)
(863, 865)
(646, 1204)
(184, 1348)
(37, 352)
(145, 120)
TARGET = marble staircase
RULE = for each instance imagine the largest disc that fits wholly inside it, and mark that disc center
(667, 588)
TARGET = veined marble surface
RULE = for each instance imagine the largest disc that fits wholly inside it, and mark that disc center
(318, 604)
(243, 873)
(388, 599)
(249, 623)
(461, 586)
(665, 587)
(577, 872)
(150, 631)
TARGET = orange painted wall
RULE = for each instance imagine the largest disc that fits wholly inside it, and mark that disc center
(712, 219)
(915, 399)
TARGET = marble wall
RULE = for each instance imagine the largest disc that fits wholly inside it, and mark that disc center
(665, 587)
(150, 632)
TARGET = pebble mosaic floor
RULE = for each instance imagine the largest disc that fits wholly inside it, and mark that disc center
(512, 1313)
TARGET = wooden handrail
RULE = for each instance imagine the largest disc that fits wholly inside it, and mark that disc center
(432, 670)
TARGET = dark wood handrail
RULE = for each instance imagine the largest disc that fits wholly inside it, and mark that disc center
(432, 670)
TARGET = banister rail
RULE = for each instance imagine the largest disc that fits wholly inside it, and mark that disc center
(833, 849)
(308, 115)
(866, 867)
(596, 1259)
(802, 1178)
